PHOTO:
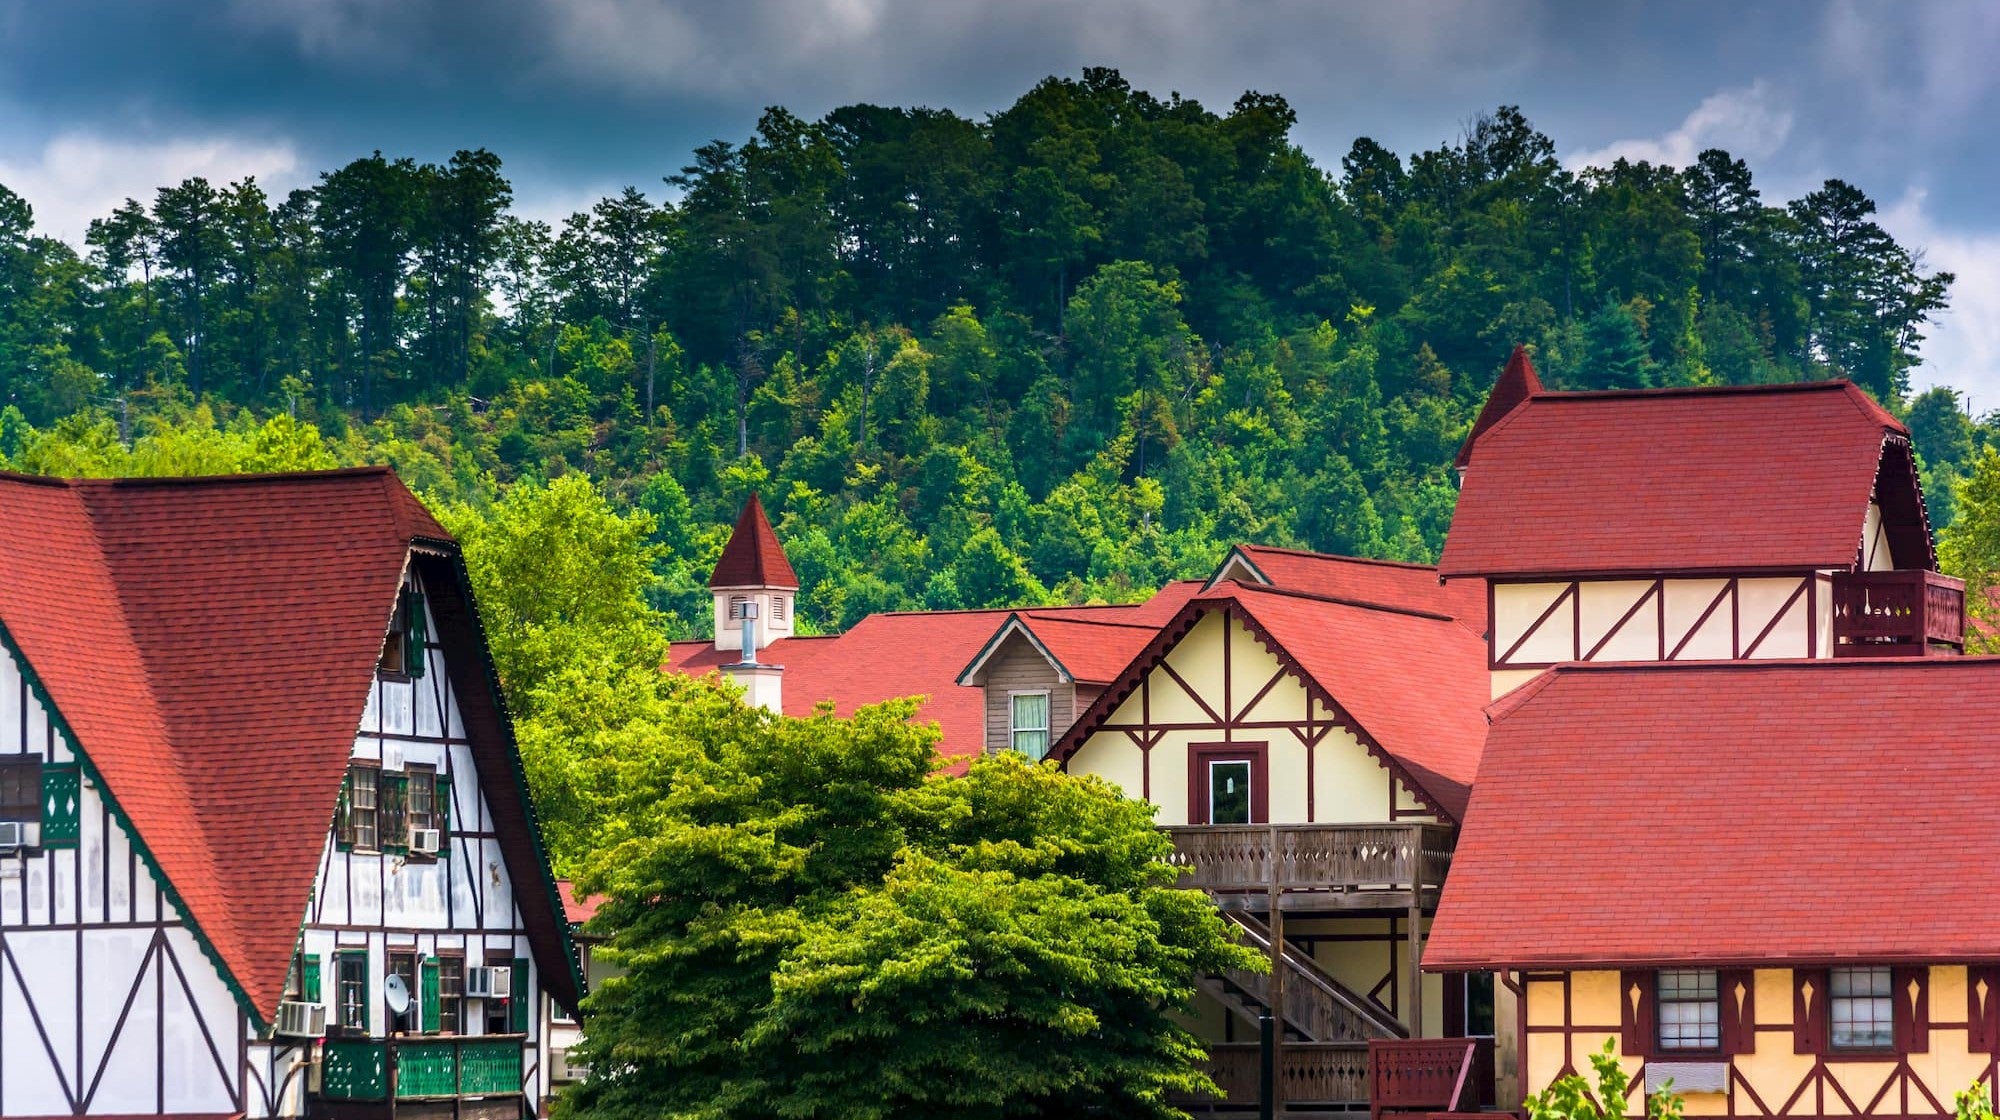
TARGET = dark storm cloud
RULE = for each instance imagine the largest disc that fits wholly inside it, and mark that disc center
(101, 98)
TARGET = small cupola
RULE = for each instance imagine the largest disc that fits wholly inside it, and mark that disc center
(754, 586)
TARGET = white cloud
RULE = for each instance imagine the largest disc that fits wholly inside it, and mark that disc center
(1962, 349)
(79, 176)
(1750, 123)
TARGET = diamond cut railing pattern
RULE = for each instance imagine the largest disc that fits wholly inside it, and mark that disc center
(1295, 857)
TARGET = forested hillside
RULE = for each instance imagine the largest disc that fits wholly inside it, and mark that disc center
(1068, 351)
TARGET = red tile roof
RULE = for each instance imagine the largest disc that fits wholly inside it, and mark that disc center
(209, 644)
(1384, 582)
(577, 910)
(1773, 477)
(1413, 682)
(1732, 814)
(921, 653)
(753, 557)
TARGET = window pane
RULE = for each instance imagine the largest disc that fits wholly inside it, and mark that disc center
(1689, 1012)
(1034, 744)
(1031, 711)
(1229, 792)
(1479, 1004)
(1862, 1015)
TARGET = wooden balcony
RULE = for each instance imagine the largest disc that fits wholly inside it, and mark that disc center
(1904, 613)
(1315, 866)
(1313, 1077)
(421, 1076)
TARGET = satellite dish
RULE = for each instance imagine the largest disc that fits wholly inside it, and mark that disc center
(396, 992)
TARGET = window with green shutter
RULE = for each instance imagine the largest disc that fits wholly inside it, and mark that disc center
(394, 794)
(62, 800)
(517, 1002)
(309, 984)
(430, 994)
(343, 838)
(416, 633)
(443, 813)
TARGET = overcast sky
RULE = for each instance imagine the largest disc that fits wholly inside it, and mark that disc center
(100, 99)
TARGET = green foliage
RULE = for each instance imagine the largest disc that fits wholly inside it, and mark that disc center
(1970, 549)
(1975, 1102)
(1573, 1098)
(812, 923)
(1064, 353)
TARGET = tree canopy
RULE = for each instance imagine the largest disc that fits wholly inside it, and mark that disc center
(1065, 352)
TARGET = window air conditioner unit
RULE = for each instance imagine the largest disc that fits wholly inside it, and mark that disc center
(19, 834)
(301, 1020)
(489, 982)
(564, 1068)
(424, 841)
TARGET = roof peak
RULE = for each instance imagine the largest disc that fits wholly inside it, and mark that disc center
(1515, 386)
(753, 557)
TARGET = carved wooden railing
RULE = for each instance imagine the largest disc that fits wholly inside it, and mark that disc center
(1429, 1074)
(1319, 1073)
(1248, 857)
(1896, 612)
(1316, 1005)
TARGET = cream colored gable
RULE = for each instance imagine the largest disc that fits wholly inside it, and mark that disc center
(1219, 684)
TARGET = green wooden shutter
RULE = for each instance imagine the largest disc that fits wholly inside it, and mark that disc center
(441, 806)
(392, 796)
(430, 986)
(517, 1001)
(342, 839)
(416, 633)
(62, 795)
(309, 980)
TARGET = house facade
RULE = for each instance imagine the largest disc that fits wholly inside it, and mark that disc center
(1754, 930)
(265, 845)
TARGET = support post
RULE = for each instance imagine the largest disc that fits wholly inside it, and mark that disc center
(1277, 1009)
(1415, 933)
(1267, 1073)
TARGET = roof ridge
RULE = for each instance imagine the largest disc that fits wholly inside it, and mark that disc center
(141, 481)
(1338, 557)
(1776, 387)
(1338, 600)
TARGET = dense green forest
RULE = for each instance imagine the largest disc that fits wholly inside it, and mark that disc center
(1066, 352)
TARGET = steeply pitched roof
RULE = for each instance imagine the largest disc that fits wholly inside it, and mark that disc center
(1411, 682)
(1734, 811)
(753, 557)
(1515, 385)
(1750, 478)
(208, 644)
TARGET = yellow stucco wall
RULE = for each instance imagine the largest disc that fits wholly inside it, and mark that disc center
(1771, 1070)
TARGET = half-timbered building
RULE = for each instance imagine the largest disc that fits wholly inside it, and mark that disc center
(1733, 523)
(1308, 728)
(265, 843)
(1762, 882)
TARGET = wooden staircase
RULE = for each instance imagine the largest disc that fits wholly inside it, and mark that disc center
(1317, 1008)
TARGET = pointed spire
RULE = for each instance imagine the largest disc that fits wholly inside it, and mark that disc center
(753, 557)
(1517, 383)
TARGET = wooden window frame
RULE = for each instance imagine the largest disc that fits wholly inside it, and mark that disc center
(1200, 755)
(455, 999)
(405, 647)
(416, 775)
(496, 1008)
(411, 1021)
(1048, 720)
(1833, 1001)
(354, 810)
(1661, 1001)
(359, 958)
(31, 811)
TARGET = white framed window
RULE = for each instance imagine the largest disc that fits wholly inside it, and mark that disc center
(736, 605)
(1028, 725)
(1859, 1009)
(1690, 1009)
(777, 608)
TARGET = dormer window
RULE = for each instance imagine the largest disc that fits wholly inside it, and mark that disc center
(1031, 723)
(404, 650)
